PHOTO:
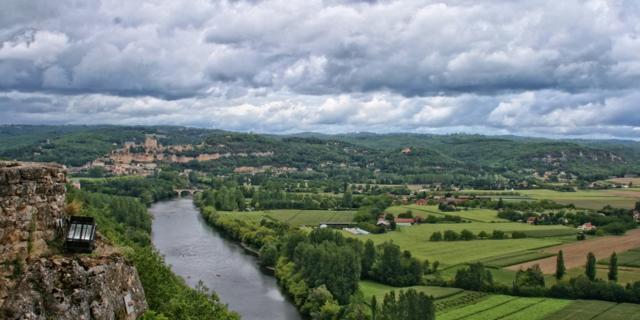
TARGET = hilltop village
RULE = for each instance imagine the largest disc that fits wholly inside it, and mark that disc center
(142, 159)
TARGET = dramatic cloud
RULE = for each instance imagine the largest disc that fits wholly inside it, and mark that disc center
(551, 68)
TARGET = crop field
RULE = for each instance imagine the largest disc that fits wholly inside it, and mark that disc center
(588, 199)
(575, 253)
(597, 310)
(506, 307)
(297, 217)
(500, 275)
(478, 215)
(457, 252)
(459, 300)
(626, 311)
(426, 229)
(370, 288)
(629, 258)
(515, 258)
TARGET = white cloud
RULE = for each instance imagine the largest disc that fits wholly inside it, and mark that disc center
(541, 67)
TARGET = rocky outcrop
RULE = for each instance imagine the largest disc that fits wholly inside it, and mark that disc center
(77, 288)
(39, 282)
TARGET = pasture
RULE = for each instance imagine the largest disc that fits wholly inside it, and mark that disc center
(477, 215)
(370, 288)
(296, 217)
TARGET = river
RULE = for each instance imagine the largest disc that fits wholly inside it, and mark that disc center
(196, 252)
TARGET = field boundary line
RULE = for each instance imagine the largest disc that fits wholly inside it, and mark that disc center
(492, 307)
(525, 308)
(605, 310)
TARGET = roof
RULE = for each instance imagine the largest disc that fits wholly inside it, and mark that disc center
(405, 220)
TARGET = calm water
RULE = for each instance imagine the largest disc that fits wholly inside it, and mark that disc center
(198, 252)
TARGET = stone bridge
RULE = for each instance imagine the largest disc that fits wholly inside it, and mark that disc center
(191, 192)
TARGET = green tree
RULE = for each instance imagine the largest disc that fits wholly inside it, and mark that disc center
(347, 198)
(436, 236)
(613, 267)
(368, 257)
(409, 305)
(590, 268)
(560, 268)
(532, 277)
(467, 235)
(475, 277)
(374, 307)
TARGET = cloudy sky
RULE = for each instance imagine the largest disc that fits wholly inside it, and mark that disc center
(559, 68)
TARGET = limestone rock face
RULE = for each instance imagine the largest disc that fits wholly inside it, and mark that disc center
(77, 288)
(39, 282)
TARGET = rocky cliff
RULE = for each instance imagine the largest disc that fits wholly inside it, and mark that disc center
(37, 281)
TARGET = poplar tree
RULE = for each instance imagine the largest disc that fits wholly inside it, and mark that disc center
(613, 267)
(560, 268)
(590, 268)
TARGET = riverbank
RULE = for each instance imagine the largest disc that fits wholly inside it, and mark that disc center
(197, 252)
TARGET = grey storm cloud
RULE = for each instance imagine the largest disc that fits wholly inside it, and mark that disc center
(567, 68)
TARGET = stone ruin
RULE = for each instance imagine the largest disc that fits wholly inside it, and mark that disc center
(37, 281)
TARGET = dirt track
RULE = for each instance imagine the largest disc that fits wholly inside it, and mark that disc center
(575, 254)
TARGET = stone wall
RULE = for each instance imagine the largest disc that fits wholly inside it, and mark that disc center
(31, 200)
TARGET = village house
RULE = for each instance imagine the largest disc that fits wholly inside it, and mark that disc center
(532, 220)
(383, 222)
(404, 222)
(587, 227)
(421, 202)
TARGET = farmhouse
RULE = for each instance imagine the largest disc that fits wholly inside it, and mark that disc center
(383, 222)
(421, 202)
(532, 220)
(404, 222)
(587, 227)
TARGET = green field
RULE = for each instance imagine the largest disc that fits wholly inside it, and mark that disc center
(370, 288)
(516, 258)
(478, 215)
(456, 252)
(506, 307)
(297, 217)
(597, 310)
(588, 199)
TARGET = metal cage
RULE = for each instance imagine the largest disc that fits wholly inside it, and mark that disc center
(81, 234)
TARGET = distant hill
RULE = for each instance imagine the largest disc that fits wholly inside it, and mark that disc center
(393, 158)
